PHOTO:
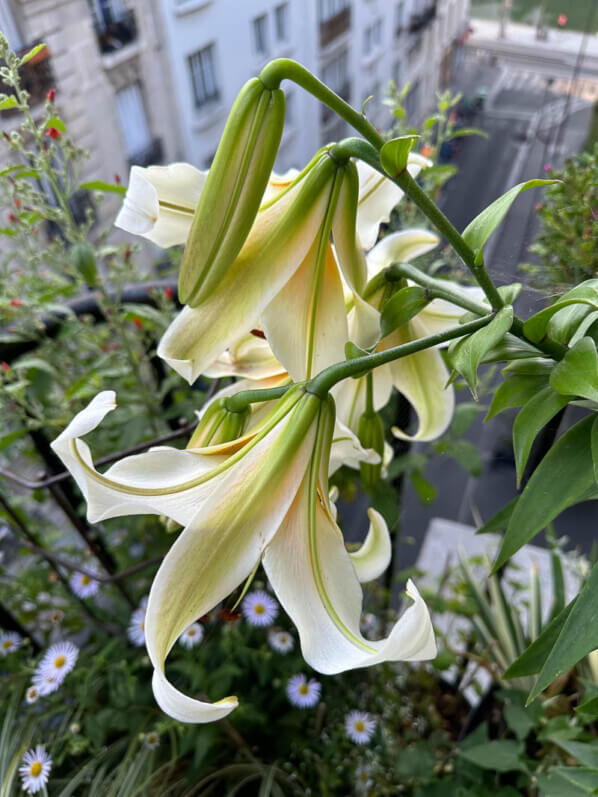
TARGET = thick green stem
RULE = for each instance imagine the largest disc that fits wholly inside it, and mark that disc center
(244, 398)
(286, 69)
(321, 384)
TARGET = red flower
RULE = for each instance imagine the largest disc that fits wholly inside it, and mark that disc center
(17, 203)
(51, 95)
(16, 302)
(562, 20)
(117, 179)
(5, 367)
(228, 616)
(53, 133)
(138, 323)
(12, 218)
(168, 292)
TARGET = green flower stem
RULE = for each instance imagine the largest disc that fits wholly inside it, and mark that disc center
(244, 398)
(326, 379)
(286, 69)
(439, 289)
(369, 394)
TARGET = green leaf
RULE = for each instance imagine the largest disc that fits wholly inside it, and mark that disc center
(583, 778)
(501, 755)
(589, 708)
(426, 492)
(553, 785)
(578, 637)
(519, 719)
(531, 660)
(32, 53)
(402, 307)
(500, 521)
(469, 351)
(465, 414)
(394, 154)
(515, 391)
(587, 293)
(9, 102)
(586, 754)
(564, 475)
(481, 228)
(56, 122)
(464, 452)
(7, 440)
(577, 373)
(530, 420)
(530, 366)
(469, 131)
(100, 185)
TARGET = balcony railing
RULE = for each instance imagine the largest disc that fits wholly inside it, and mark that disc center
(37, 78)
(115, 33)
(419, 21)
(150, 155)
(345, 93)
(331, 28)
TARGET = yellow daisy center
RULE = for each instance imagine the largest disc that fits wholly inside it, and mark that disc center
(191, 632)
(35, 769)
(259, 608)
(7, 644)
(304, 689)
(359, 726)
(85, 580)
(59, 661)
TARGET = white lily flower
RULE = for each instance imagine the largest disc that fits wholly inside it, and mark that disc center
(265, 497)
(160, 202)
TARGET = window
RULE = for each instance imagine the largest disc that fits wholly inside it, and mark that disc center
(203, 76)
(372, 37)
(106, 12)
(281, 22)
(9, 27)
(330, 8)
(336, 73)
(260, 35)
(133, 121)
(399, 17)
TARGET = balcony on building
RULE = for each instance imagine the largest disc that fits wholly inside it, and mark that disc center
(417, 22)
(37, 77)
(334, 26)
(115, 30)
(148, 156)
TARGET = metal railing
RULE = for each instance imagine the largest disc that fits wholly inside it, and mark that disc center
(331, 28)
(115, 32)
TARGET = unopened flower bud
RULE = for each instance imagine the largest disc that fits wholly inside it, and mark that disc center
(371, 435)
(219, 425)
(83, 258)
(233, 191)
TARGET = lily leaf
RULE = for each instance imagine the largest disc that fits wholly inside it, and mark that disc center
(533, 416)
(500, 521)
(402, 307)
(481, 228)
(532, 659)
(394, 154)
(578, 637)
(562, 478)
(100, 185)
(515, 391)
(587, 293)
(468, 353)
(577, 373)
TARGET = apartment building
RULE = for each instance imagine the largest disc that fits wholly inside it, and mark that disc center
(355, 46)
(104, 59)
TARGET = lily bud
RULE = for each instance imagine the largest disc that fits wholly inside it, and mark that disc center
(233, 191)
(83, 258)
(371, 435)
(219, 425)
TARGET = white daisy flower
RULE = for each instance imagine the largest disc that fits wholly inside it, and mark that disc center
(32, 694)
(191, 636)
(9, 642)
(152, 740)
(359, 726)
(136, 550)
(45, 683)
(136, 628)
(363, 775)
(35, 769)
(83, 586)
(259, 608)
(303, 693)
(59, 660)
(281, 641)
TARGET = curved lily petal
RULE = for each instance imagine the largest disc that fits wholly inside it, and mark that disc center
(378, 196)
(316, 583)
(250, 357)
(441, 315)
(372, 559)
(347, 450)
(268, 259)
(306, 323)
(364, 323)
(278, 183)
(400, 247)
(350, 396)
(421, 378)
(160, 202)
(222, 545)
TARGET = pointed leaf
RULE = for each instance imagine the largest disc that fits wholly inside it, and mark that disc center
(584, 778)
(530, 420)
(100, 185)
(56, 122)
(394, 154)
(469, 131)
(500, 521)
(515, 391)
(578, 637)
(32, 53)
(499, 755)
(8, 102)
(577, 373)
(531, 660)
(468, 353)
(586, 754)
(585, 294)
(402, 307)
(564, 475)
(594, 446)
(481, 228)
(589, 708)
